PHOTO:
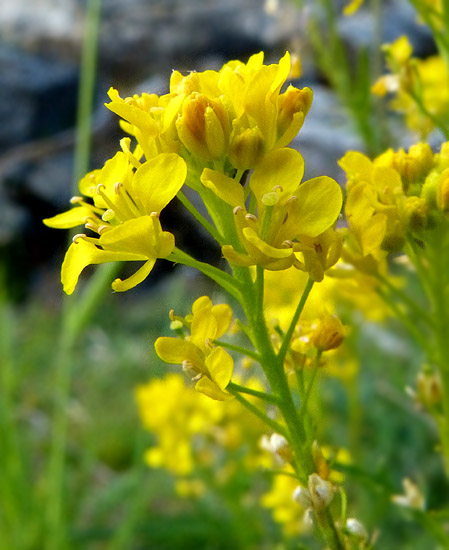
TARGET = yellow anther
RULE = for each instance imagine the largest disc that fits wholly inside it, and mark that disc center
(287, 243)
(76, 199)
(251, 217)
(154, 214)
(237, 210)
(99, 188)
(117, 187)
(103, 228)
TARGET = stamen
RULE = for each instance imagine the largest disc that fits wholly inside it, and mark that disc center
(78, 236)
(287, 243)
(108, 215)
(103, 228)
(276, 187)
(237, 209)
(291, 199)
(76, 199)
(99, 188)
(117, 187)
(251, 217)
(154, 214)
(91, 226)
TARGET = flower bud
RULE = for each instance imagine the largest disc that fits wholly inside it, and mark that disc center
(356, 529)
(204, 127)
(328, 333)
(291, 102)
(416, 213)
(321, 492)
(247, 148)
(302, 496)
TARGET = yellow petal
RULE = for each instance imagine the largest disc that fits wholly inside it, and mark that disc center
(138, 236)
(265, 248)
(220, 366)
(318, 205)
(228, 189)
(281, 167)
(174, 350)
(223, 315)
(81, 254)
(158, 180)
(203, 329)
(210, 388)
(201, 303)
(131, 113)
(142, 273)
(71, 218)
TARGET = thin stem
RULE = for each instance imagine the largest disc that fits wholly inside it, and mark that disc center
(419, 312)
(275, 426)
(226, 281)
(239, 349)
(288, 335)
(308, 391)
(200, 218)
(260, 394)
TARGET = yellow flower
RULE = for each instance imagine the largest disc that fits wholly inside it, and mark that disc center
(291, 216)
(123, 208)
(211, 365)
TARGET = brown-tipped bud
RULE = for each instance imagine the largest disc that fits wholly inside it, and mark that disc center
(204, 127)
(247, 148)
(328, 333)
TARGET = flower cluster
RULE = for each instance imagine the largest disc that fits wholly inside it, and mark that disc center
(396, 195)
(207, 133)
(420, 86)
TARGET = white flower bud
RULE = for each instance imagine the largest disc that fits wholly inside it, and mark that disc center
(321, 492)
(301, 495)
(356, 529)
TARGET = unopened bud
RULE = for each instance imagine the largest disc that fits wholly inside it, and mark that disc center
(328, 333)
(356, 529)
(442, 191)
(416, 213)
(321, 492)
(302, 496)
(247, 148)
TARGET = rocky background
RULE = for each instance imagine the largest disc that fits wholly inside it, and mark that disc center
(141, 41)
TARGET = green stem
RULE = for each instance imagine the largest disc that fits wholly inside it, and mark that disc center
(288, 335)
(238, 349)
(418, 311)
(260, 394)
(226, 281)
(200, 218)
(275, 426)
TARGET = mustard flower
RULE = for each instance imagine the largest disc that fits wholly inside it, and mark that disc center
(122, 206)
(211, 366)
(293, 220)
